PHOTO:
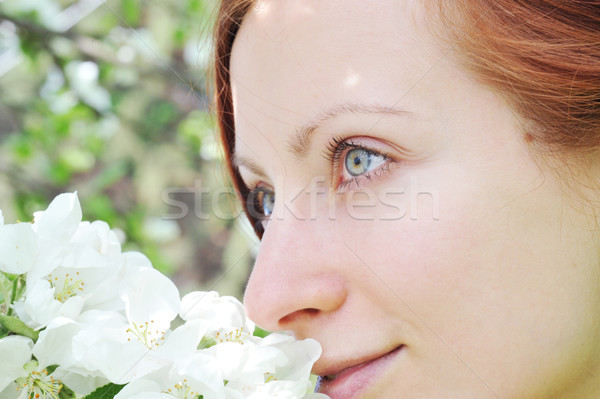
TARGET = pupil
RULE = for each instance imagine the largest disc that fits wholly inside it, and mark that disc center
(260, 203)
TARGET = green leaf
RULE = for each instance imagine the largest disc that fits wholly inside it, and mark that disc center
(259, 332)
(67, 393)
(3, 331)
(107, 391)
(50, 369)
(131, 12)
(16, 326)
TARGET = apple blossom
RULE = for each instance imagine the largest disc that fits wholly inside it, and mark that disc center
(105, 316)
(15, 351)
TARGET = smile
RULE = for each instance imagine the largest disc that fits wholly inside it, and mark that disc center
(349, 382)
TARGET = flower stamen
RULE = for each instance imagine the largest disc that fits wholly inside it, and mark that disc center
(41, 385)
(182, 390)
(71, 286)
(238, 335)
(144, 334)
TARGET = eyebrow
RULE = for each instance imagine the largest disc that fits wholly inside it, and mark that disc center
(248, 164)
(300, 143)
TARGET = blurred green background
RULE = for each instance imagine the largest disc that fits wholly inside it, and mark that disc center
(111, 98)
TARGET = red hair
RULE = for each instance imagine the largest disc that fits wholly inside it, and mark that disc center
(229, 18)
(543, 56)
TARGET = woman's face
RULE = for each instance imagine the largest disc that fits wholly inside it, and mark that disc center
(412, 233)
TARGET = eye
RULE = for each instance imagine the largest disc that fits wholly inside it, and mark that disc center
(260, 202)
(360, 161)
(355, 160)
(267, 202)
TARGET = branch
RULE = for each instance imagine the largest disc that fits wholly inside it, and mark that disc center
(33, 27)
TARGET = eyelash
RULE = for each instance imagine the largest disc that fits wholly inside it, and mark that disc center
(334, 153)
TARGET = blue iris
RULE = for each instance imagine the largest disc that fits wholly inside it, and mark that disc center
(358, 161)
(267, 202)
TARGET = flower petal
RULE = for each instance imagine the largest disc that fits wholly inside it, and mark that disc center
(102, 345)
(60, 221)
(82, 384)
(17, 248)
(11, 391)
(182, 341)
(54, 345)
(222, 311)
(15, 351)
(150, 296)
(301, 355)
(142, 389)
(40, 307)
(201, 373)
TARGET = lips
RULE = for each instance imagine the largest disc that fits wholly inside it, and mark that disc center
(351, 381)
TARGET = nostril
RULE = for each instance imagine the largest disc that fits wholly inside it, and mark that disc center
(298, 315)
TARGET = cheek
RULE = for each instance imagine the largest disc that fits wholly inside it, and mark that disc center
(500, 278)
(479, 266)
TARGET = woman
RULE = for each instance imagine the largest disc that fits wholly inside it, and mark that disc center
(424, 177)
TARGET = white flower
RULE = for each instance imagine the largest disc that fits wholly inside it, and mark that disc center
(15, 351)
(190, 376)
(60, 220)
(301, 355)
(199, 372)
(17, 248)
(42, 304)
(55, 346)
(149, 296)
(99, 236)
(21, 377)
(163, 384)
(126, 347)
(252, 367)
(147, 389)
(277, 366)
(85, 280)
(88, 344)
(38, 383)
(21, 244)
(223, 312)
(263, 366)
(107, 316)
(82, 384)
(54, 228)
(84, 267)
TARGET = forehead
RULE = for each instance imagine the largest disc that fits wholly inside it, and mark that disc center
(294, 58)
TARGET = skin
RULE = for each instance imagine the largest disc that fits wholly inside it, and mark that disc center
(496, 297)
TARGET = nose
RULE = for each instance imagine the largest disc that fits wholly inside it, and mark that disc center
(295, 280)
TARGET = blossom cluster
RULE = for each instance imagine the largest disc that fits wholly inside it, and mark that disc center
(77, 313)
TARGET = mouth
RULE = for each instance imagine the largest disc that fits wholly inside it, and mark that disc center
(351, 381)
